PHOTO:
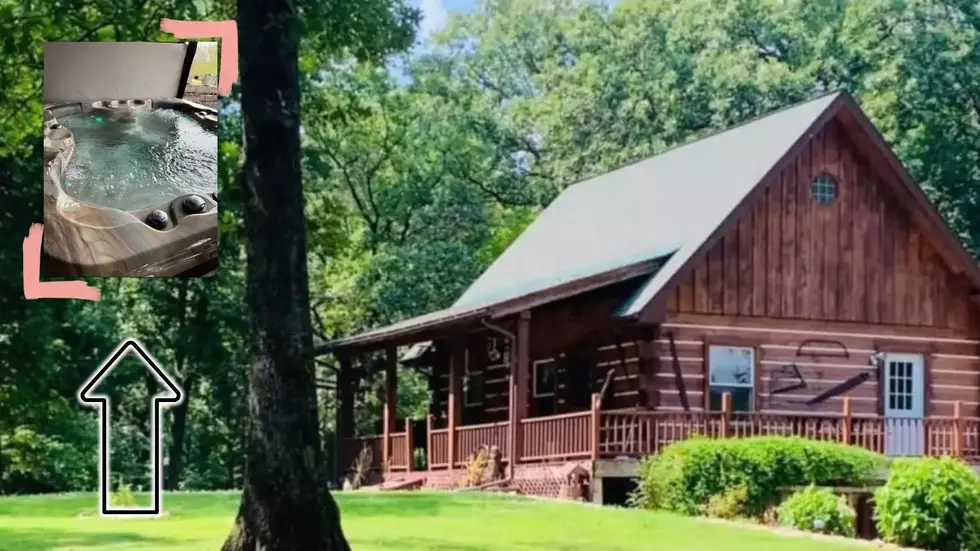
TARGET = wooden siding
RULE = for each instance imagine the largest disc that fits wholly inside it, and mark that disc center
(856, 273)
(577, 326)
(952, 361)
(623, 389)
(859, 259)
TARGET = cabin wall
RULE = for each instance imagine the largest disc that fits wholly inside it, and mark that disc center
(858, 259)
(952, 361)
(577, 335)
(854, 274)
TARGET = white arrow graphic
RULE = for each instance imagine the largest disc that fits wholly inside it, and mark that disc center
(88, 396)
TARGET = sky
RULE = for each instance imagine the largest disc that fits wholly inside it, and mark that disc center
(435, 12)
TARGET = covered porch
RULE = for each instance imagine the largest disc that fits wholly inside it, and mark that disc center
(462, 418)
(603, 406)
(536, 387)
(598, 434)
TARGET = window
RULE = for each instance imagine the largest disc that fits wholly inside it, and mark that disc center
(473, 391)
(823, 188)
(544, 378)
(900, 386)
(731, 369)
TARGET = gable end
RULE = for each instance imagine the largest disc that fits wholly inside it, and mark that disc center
(865, 256)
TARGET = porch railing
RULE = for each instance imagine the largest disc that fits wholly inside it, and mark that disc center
(556, 437)
(470, 437)
(438, 451)
(595, 434)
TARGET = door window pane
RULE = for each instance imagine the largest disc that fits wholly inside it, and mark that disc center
(900, 385)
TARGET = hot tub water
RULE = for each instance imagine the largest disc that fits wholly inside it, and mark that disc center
(141, 160)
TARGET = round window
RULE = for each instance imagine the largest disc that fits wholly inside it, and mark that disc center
(823, 188)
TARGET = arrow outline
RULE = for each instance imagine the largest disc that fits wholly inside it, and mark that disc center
(158, 403)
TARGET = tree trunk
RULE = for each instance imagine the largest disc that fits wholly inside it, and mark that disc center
(178, 432)
(285, 503)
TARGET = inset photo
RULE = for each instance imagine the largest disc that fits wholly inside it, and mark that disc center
(130, 159)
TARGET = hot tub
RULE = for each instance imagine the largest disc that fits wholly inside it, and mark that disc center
(130, 189)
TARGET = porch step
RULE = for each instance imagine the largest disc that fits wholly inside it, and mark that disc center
(401, 483)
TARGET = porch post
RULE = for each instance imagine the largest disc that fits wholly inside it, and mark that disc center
(846, 431)
(957, 429)
(428, 442)
(595, 426)
(726, 413)
(409, 446)
(455, 408)
(389, 411)
(518, 388)
(344, 416)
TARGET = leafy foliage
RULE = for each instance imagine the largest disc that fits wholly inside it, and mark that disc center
(930, 504)
(818, 510)
(476, 466)
(123, 496)
(729, 504)
(686, 475)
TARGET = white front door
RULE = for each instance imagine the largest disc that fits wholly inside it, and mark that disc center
(904, 396)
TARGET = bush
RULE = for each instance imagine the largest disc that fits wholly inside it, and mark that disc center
(729, 504)
(123, 496)
(476, 466)
(931, 504)
(60, 460)
(818, 510)
(685, 475)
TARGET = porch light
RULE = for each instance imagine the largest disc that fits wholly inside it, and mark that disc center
(492, 352)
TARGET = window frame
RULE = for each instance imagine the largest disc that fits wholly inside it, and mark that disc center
(467, 377)
(886, 348)
(754, 386)
(824, 193)
(534, 378)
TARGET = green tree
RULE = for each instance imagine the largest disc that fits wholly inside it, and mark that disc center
(286, 503)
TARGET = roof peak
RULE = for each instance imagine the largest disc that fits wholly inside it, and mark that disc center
(715, 133)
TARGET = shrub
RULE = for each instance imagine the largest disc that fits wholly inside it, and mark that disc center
(729, 504)
(123, 496)
(475, 469)
(685, 475)
(930, 503)
(818, 510)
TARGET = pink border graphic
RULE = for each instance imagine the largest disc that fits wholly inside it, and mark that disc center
(227, 31)
(34, 288)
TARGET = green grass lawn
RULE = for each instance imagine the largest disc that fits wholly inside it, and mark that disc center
(389, 522)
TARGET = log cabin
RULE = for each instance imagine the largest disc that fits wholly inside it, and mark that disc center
(784, 276)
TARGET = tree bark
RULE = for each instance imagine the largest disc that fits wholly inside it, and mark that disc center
(285, 503)
(178, 429)
(178, 432)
